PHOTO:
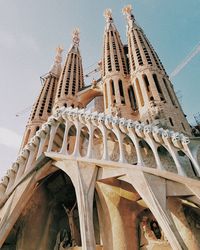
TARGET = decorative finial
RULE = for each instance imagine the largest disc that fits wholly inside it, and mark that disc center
(76, 36)
(108, 15)
(127, 10)
(58, 57)
(56, 67)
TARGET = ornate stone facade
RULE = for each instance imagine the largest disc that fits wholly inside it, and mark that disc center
(123, 177)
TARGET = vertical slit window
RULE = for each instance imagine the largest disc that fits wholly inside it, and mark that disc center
(171, 122)
(106, 96)
(183, 126)
(169, 92)
(132, 98)
(158, 87)
(112, 87)
(121, 91)
(139, 92)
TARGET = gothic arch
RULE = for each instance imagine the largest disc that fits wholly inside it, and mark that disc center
(186, 163)
(129, 151)
(97, 144)
(71, 138)
(147, 154)
(58, 138)
(166, 159)
(84, 141)
(113, 146)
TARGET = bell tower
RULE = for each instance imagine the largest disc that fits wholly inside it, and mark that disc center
(157, 101)
(115, 72)
(71, 78)
(42, 108)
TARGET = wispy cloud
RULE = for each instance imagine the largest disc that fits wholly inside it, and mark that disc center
(10, 138)
(13, 40)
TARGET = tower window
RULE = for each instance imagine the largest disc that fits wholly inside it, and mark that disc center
(158, 87)
(121, 91)
(106, 96)
(169, 91)
(183, 126)
(146, 82)
(139, 92)
(112, 87)
(132, 98)
(171, 122)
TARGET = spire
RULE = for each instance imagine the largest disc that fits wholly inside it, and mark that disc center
(42, 108)
(127, 10)
(157, 101)
(115, 71)
(56, 67)
(109, 20)
(71, 78)
(76, 37)
(114, 59)
(75, 41)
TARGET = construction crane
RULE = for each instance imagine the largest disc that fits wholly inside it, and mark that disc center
(186, 61)
(23, 111)
(94, 71)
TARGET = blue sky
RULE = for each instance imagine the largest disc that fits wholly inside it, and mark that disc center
(31, 30)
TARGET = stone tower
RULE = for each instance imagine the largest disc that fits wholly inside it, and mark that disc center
(42, 108)
(152, 91)
(122, 178)
(71, 78)
(115, 72)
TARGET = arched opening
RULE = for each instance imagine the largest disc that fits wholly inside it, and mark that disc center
(139, 92)
(71, 139)
(171, 121)
(169, 91)
(132, 98)
(105, 96)
(147, 154)
(50, 219)
(166, 159)
(112, 87)
(186, 164)
(121, 91)
(98, 147)
(58, 138)
(159, 89)
(129, 151)
(113, 147)
(148, 87)
(84, 140)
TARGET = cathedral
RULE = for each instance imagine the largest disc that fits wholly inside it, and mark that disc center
(112, 165)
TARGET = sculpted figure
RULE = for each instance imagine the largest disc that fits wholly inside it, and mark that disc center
(70, 214)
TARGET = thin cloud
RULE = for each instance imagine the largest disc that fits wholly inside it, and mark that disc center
(10, 138)
(12, 41)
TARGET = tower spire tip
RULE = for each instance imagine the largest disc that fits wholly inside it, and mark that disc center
(127, 10)
(108, 15)
(76, 36)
